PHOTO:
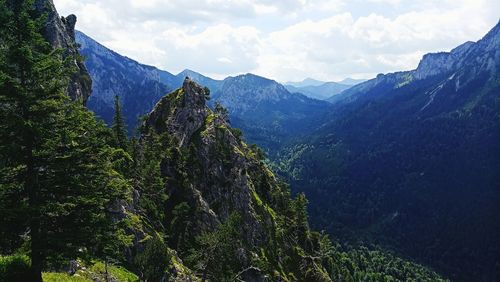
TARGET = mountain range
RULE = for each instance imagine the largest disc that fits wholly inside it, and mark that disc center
(319, 89)
(322, 92)
(408, 160)
(266, 111)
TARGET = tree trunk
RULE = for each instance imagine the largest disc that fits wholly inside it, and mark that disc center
(106, 269)
(31, 186)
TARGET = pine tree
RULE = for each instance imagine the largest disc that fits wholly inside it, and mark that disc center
(214, 258)
(119, 127)
(57, 174)
(301, 226)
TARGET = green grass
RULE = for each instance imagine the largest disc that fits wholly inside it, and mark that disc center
(118, 272)
(63, 277)
(94, 271)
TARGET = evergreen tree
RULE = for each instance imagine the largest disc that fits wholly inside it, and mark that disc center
(154, 260)
(221, 111)
(214, 259)
(57, 174)
(299, 206)
(119, 128)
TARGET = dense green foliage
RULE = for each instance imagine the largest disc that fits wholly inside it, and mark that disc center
(118, 126)
(391, 168)
(58, 172)
(14, 268)
(210, 258)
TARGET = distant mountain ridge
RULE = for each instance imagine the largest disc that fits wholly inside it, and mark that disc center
(320, 92)
(319, 89)
(266, 111)
(306, 82)
(352, 81)
(139, 86)
(480, 55)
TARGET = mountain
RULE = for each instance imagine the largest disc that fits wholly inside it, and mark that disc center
(410, 160)
(306, 82)
(212, 84)
(266, 111)
(351, 81)
(139, 86)
(60, 33)
(320, 92)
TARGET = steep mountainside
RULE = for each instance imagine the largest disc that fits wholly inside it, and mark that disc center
(321, 92)
(411, 160)
(221, 177)
(60, 33)
(266, 111)
(139, 86)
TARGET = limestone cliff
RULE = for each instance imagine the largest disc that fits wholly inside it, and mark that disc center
(60, 33)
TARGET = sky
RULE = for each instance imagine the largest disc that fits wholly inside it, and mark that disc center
(287, 40)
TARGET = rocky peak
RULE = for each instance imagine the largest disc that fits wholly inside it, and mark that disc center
(212, 175)
(481, 55)
(60, 33)
(225, 180)
(194, 95)
(435, 63)
(494, 33)
(182, 112)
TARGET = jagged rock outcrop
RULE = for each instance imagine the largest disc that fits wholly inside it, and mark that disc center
(60, 33)
(224, 184)
(212, 175)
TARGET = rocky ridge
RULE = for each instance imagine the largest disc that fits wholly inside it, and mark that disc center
(454, 67)
(224, 177)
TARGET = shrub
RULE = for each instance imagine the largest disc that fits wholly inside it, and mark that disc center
(14, 268)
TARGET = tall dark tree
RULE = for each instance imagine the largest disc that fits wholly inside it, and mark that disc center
(57, 174)
(119, 128)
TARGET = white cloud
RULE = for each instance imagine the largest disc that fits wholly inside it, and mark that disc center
(285, 40)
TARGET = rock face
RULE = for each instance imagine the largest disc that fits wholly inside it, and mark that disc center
(224, 184)
(60, 33)
(470, 59)
(139, 86)
(213, 175)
